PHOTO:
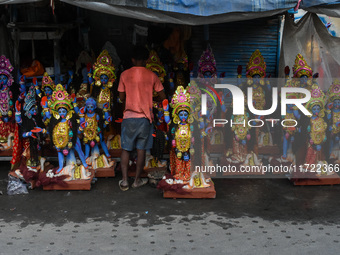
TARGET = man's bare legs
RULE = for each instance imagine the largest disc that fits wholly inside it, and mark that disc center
(139, 167)
(124, 162)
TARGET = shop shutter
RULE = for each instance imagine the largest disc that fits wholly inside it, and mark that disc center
(233, 43)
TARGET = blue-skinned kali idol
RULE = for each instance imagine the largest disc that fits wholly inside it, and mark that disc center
(63, 130)
(333, 116)
(7, 123)
(91, 128)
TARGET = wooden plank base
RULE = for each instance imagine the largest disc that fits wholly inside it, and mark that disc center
(193, 193)
(115, 153)
(106, 172)
(269, 150)
(333, 179)
(72, 185)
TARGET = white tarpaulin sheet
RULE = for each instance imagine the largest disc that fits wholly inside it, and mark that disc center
(320, 49)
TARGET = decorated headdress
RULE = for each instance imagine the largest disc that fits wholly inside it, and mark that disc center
(154, 64)
(6, 68)
(180, 101)
(317, 98)
(194, 91)
(102, 66)
(29, 101)
(333, 92)
(91, 101)
(61, 99)
(195, 98)
(301, 68)
(256, 65)
(207, 63)
(47, 82)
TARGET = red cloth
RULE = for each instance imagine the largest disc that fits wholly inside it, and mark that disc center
(138, 83)
(180, 169)
(17, 147)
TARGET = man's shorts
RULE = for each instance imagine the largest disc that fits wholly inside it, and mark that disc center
(136, 133)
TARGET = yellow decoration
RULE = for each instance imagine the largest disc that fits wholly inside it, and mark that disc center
(100, 162)
(183, 137)
(301, 68)
(318, 130)
(256, 65)
(102, 66)
(61, 99)
(61, 135)
(333, 92)
(77, 173)
(90, 131)
(47, 82)
(104, 96)
(155, 65)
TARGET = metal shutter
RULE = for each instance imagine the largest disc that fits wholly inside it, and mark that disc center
(233, 43)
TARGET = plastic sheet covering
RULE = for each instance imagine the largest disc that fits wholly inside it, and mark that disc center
(146, 14)
(15, 186)
(329, 10)
(319, 48)
(214, 7)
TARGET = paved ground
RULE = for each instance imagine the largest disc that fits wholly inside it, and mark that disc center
(247, 217)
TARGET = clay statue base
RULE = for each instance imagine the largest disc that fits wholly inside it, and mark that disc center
(73, 185)
(209, 192)
(333, 179)
(106, 172)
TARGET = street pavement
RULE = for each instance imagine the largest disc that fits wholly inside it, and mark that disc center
(248, 216)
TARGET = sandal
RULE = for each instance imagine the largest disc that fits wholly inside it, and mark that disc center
(143, 181)
(123, 188)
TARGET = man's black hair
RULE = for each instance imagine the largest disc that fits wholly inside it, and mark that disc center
(139, 52)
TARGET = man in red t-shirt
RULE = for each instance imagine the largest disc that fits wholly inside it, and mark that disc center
(136, 86)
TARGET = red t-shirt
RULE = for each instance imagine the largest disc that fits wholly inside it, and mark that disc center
(138, 83)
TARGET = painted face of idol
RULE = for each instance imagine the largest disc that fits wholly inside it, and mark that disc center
(48, 91)
(183, 116)
(104, 79)
(336, 104)
(90, 108)
(62, 112)
(33, 110)
(3, 79)
(316, 110)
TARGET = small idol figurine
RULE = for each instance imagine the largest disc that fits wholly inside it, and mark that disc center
(63, 129)
(333, 116)
(90, 126)
(7, 122)
(180, 154)
(48, 86)
(256, 74)
(103, 77)
(317, 126)
(31, 162)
